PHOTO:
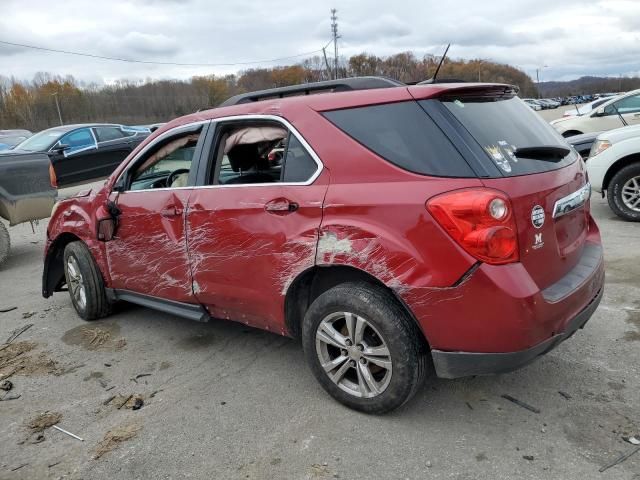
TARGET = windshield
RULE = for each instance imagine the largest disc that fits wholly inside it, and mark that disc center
(40, 142)
(502, 126)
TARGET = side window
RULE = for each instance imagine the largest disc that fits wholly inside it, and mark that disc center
(78, 140)
(299, 166)
(259, 153)
(628, 105)
(168, 165)
(104, 134)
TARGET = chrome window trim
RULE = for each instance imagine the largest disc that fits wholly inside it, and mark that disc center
(232, 118)
(572, 201)
(148, 146)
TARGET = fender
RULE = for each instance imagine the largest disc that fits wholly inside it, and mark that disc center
(72, 219)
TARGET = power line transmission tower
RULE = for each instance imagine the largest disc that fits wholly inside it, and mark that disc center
(334, 32)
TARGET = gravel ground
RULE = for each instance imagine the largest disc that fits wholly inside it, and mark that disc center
(225, 401)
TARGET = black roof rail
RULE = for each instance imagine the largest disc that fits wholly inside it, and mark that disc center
(341, 85)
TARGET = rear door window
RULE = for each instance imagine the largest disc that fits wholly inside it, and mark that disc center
(403, 134)
(503, 125)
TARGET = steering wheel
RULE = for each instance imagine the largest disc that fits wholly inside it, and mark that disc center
(172, 176)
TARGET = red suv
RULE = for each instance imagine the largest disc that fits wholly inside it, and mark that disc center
(403, 229)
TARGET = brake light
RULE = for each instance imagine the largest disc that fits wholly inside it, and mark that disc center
(52, 176)
(481, 221)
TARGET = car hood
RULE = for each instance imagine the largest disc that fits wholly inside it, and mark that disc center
(620, 134)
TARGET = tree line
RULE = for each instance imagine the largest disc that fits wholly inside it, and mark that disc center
(32, 104)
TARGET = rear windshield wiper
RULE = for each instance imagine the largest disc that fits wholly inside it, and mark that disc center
(549, 153)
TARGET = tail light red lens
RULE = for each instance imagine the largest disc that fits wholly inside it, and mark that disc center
(481, 221)
(52, 176)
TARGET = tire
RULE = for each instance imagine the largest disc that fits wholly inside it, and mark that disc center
(83, 276)
(5, 243)
(619, 188)
(387, 324)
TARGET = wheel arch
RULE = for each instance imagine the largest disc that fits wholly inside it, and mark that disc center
(53, 271)
(571, 133)
(617, 166)
(313, 282)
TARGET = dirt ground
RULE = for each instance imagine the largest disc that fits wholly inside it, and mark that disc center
(154, 396)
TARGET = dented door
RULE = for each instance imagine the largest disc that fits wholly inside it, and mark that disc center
(248, 243)
(148, 254)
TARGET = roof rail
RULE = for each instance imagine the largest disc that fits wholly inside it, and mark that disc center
(341, 85)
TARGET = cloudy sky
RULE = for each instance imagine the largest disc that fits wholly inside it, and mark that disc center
(571, 37)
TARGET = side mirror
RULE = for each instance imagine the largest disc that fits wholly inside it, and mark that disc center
(600, 112)
(60, 148)
(107, 221)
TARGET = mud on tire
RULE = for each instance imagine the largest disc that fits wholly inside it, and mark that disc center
(82, 272)
(408, 352)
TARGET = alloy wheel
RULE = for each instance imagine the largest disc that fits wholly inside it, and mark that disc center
(76, 282)
(353, 354)
(631, 194)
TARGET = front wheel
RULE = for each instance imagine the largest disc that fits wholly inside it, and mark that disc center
(623, 193)
(85, 283)
(363, 347)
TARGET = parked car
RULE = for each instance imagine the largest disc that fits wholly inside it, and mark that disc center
(617, 111)
(84, 152)
(10, 138)
(408, 228)
(614, 169)
(583, 142)
(548, 103)
(586, 108)
(25, 193)
(532, 104)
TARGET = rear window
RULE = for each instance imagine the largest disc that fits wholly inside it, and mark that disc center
(501, 126)
(405, 135)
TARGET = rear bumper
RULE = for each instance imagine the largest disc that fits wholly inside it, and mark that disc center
(464, 364)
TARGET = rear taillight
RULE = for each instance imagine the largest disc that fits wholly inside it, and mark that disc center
(481, 221)
(52, 176)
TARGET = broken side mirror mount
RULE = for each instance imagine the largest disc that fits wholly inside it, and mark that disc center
(107, 221)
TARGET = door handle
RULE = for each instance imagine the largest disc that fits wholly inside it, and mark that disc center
(171, 212)
(281, 206)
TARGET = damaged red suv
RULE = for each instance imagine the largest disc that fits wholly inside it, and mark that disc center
(396, 230)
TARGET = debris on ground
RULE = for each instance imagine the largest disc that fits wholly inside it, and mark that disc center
(565, 394)
(7, 309)
(520, 403)
(632, 440)
(115, 437)
(67, 433)
(140, 375)
(133, 401)
(28, 314)
(9, 396)
(44, 421)
(619, 460)
(530, 458)
(17, 332)
(6, 385)
(19, 467)
(13, 360)
(101, 338)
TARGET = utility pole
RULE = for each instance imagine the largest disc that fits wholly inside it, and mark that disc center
(334, 32)
(324, 52)
(538, 78)
(55, 95)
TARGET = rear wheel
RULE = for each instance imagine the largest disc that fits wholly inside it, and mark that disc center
(5, 243)
(363, 347)
(85, 283)
(623, 193)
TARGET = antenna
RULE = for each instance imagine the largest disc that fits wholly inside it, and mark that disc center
(435, 75)
(440, 64)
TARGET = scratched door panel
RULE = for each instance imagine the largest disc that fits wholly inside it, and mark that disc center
(148, 254)
(243, 257)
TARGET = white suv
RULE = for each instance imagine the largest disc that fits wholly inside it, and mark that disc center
(607, 116)
(614, 167)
